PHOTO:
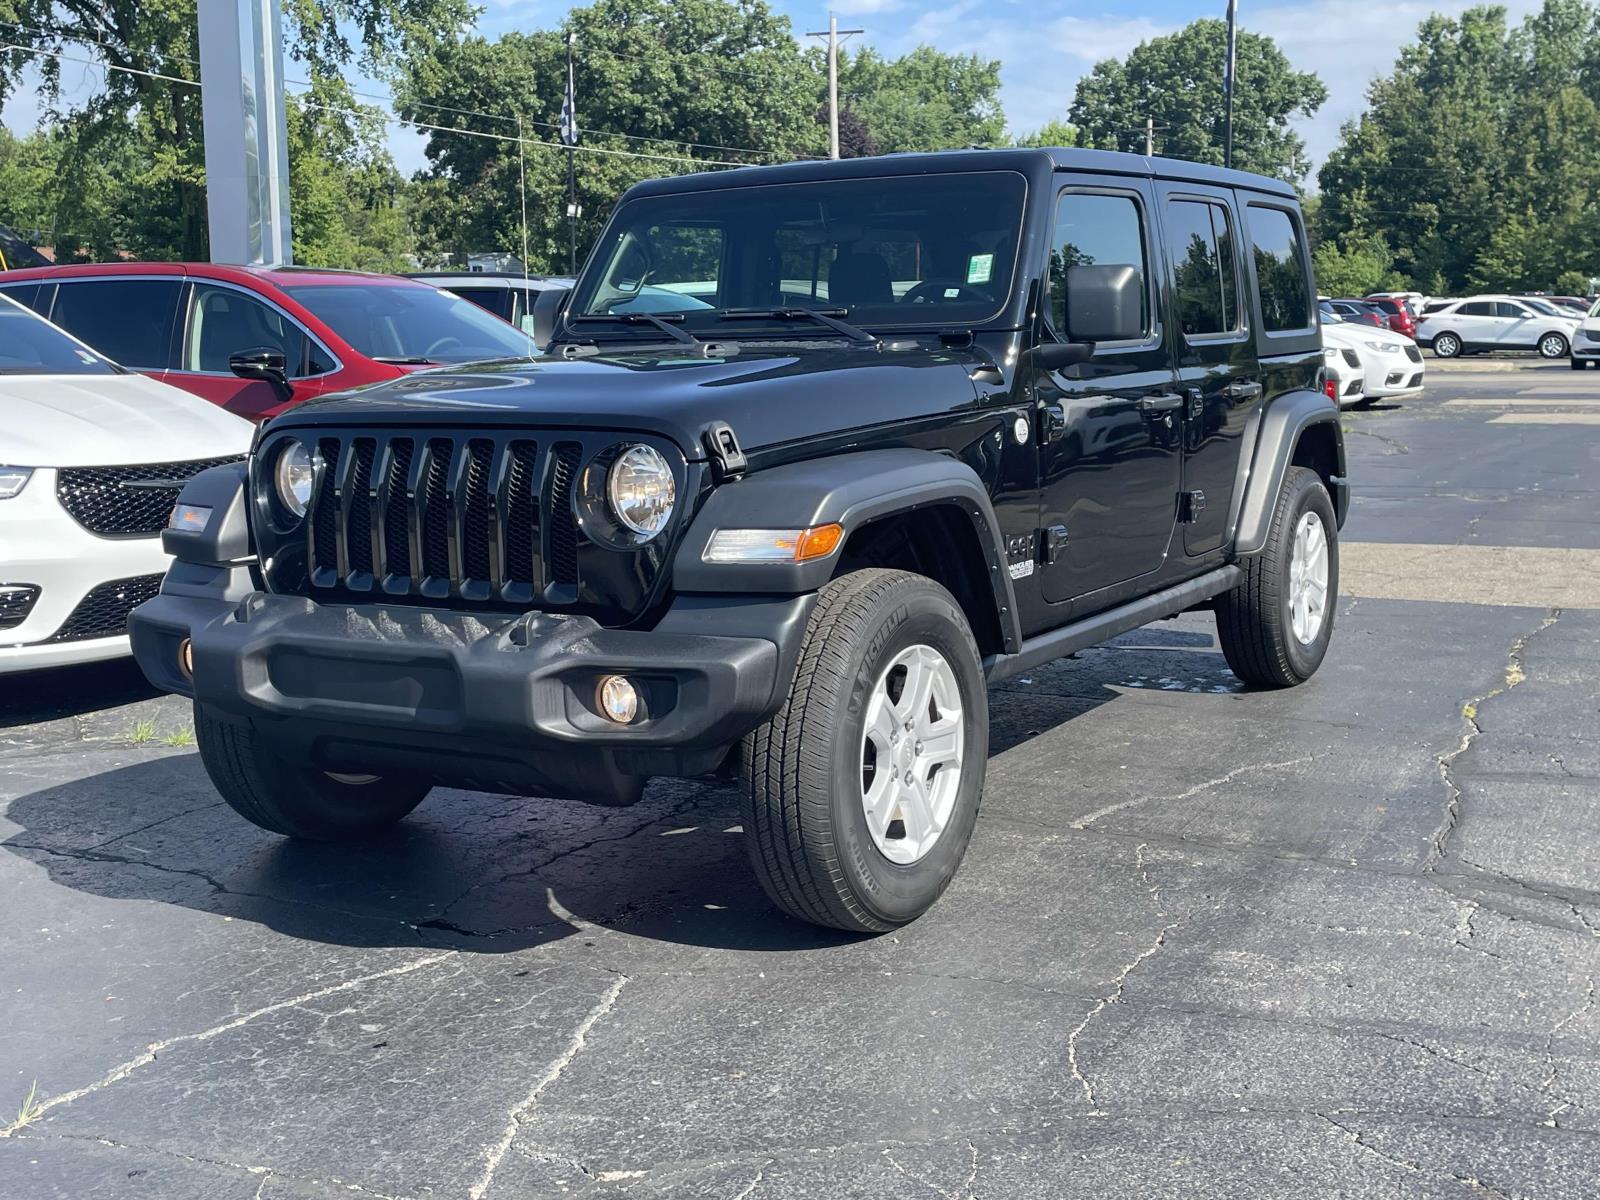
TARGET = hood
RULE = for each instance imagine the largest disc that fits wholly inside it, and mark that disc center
(771, 394)
(107, 420)
(1348, 335)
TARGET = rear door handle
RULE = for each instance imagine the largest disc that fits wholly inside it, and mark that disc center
(1160, 402)
(1243, 389)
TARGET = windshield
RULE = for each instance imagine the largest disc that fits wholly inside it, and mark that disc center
(899, 251)
(412, 324)
(1594, 310)
(1330, 315)
(30, 345)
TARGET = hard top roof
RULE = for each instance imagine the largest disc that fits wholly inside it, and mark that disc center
(1028, 161)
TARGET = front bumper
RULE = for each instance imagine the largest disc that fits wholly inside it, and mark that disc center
(490, 701)
(1391, 376)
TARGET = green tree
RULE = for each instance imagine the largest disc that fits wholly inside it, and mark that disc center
(924, 100)
(1052, 133)
(1362, 266)
(1176, 80)
(151, 121)
(696, 84)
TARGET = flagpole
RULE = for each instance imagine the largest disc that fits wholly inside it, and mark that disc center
(570, 136)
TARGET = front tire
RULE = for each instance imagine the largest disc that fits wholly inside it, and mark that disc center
(1446, 345)
(298, 802)
(1553, 345)
(861, 794)
(1276, 623)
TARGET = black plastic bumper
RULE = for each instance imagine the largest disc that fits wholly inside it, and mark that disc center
(503, 704)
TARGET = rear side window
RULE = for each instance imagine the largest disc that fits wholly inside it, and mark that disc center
(1477, 308)
(1280, 270)
(495, 300)
(1096, 230)
(26, 294)
(1202, 247)
(130, 321)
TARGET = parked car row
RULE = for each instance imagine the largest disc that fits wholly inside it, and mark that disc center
(1479, 324)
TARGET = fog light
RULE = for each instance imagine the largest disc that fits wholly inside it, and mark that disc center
(618, 699)
(186, 659)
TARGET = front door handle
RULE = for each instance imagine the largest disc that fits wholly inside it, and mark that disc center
(1160, 402)
(1242, 389)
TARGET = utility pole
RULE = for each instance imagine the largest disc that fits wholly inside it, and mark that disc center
(833, 35)
(569, 139)
(1149, 137)
(1227, 83)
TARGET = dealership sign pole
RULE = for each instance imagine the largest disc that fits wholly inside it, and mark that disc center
(247, 153)
(1227, 83)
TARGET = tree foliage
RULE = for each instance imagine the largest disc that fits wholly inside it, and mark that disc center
(1477, 163)
(1177, 80)
(925, 100)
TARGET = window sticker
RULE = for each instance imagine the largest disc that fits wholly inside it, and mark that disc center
(979, 268)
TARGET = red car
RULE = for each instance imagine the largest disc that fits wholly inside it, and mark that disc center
(1401, 318)
(258, 339)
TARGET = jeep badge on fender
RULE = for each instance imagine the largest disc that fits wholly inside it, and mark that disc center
(817, 453)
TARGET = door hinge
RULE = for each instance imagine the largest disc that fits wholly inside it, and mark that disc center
(1197, 403)
(1052, 542)
(727, 460)
(1190, 506)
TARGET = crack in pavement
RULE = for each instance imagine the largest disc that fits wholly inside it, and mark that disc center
(1515, 675)
(154, 1049)
(745, 1192)
(496, 1153)
(963, 1190)
(1249, 768)
(1411, 1168)
(1550, 1052)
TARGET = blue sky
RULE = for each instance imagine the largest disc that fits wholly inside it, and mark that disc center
(1045, 46)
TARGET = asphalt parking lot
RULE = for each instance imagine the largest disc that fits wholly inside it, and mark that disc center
(1342, 941)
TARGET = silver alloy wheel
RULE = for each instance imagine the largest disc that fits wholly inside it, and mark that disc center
(912, 744)
(1446, 345)
(1308, 579)
(1553, 346)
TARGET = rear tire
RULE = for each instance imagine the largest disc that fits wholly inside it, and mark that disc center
(298, 802)
(809, 774)
(1268, 638)
(1578, 364)
(1554, 345)
(1446, 345)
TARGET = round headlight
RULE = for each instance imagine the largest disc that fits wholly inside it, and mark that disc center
(292, 476)
(641, 490)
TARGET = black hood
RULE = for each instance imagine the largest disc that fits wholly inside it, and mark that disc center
(770, 395)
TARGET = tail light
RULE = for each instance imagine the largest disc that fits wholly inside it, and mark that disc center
(1330, 385)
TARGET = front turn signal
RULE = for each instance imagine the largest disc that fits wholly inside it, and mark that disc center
(773, 545)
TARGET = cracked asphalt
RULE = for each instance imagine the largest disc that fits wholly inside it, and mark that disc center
(1340, 941)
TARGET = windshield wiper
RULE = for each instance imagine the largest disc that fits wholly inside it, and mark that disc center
(662, 321)
(401, 361)
(823, 316)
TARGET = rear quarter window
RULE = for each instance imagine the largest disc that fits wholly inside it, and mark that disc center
(1281, 275)
(130, 321)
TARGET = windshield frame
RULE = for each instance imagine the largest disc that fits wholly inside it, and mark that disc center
(307, 295)
(94, 360)
(715, 328)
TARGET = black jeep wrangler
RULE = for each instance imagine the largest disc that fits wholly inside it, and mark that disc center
(817, 451)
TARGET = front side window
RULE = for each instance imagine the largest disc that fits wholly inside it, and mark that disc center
(1202, 244)
(130, 321)
(411, 324)
(1280, 270)
(224, 322)
(1096, 229)
(30, 345)
(897, 251)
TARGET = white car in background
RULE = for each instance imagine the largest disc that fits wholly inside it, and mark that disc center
(1586, 340)
(1392, 364)
(1482, 323)
(92, 458)
(1344, 376)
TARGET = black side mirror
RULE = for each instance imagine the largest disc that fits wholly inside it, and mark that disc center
(542, 313)
(266, 364)
(1105, 304)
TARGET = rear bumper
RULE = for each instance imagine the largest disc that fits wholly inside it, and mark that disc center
(498, 703)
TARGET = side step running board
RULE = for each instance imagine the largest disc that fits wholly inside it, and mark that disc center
(1090, 631)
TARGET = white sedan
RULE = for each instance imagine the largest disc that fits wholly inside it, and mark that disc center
(92, 458)
(1392, 363)
(1586, 340)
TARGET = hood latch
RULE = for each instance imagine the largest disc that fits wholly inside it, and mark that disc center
(722, 447)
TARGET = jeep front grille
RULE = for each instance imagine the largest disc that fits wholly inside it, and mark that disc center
(481, 517)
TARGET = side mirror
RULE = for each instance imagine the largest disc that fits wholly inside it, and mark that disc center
(266, 364)
(543, 311)
(1105, 304)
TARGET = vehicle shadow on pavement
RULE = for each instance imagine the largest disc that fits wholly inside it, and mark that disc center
(494, 874)
(48, 695)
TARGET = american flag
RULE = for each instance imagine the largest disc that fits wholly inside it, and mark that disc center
(569, 105)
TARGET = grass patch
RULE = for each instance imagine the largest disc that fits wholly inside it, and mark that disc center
(142, 732)
(30, 1110)
(181, 737)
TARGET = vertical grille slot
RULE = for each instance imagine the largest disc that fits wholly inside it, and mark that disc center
(358, 510)
(436, 510)
(475, 511)
(522, 513)
(397, 509)
(325, 520)
(561, 557)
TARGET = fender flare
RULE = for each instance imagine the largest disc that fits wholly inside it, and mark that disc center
(852, 490)
(1261, 475)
